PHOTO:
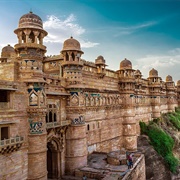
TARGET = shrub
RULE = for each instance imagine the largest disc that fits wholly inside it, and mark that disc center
(175, 120)
(143, 127)
(172, 162)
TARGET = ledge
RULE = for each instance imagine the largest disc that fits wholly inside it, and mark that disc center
(10, 145)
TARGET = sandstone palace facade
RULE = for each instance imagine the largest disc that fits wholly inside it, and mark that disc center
(55, 111)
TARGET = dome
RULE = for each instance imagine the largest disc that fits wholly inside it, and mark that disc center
(8, 51)
(71, 44)
(153, 73)
(100, 60)
(30, 20)
(178, 83)
(125, 64)
(169, 78)
(8, 48)
(137, 72)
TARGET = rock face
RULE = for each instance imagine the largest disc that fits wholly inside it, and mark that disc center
(155, 165)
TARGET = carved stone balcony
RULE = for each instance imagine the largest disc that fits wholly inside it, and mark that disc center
(30, 45)
(57, 124)
(11, 145)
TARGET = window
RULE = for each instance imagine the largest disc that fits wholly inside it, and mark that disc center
(51, 114)
(4, 96)
(4, 133)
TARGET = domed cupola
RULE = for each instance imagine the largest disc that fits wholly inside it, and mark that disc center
(30, 49)
(100, 64)
(30, 32)
(153, 73)
(178, 83)
(169, 78)
(30, 20)
(72, 64)
(125, 64)
(71, 44)
(8, 52)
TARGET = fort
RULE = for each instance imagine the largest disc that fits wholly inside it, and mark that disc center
(56, 111)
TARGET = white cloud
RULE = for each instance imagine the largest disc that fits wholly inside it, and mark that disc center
(168, 64)
(61, 29)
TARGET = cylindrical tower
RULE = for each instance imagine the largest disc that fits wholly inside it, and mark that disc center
(72, 64)
(171, 94)
(30, 52)
(76, 147)
(154, 84)
(178, 92)
(30, 49)
(127, 86)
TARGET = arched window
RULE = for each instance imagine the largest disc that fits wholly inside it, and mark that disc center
(88, 128)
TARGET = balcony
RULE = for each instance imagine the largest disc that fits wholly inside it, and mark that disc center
(57, 124)
(30, 45)
(10, 145)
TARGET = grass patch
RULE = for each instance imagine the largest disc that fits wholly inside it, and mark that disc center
(162, 143)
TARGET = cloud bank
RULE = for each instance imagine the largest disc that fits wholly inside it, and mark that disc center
(166, 64)
(60, 29)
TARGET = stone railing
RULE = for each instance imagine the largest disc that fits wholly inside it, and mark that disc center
(31, 45)
(57, 124)
(10, 145)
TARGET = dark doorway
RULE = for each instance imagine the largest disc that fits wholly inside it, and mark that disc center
(53, 160)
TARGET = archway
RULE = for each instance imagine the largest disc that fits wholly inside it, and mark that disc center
(53, 160)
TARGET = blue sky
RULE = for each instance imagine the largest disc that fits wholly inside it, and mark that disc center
(147, 32)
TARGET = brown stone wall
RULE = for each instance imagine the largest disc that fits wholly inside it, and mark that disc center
(14, 166)
(138, 172)
(76, 148)
(107, 83)
(7, 71)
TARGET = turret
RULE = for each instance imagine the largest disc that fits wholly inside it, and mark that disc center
(170, 93)
(127, 85)
(30, 49)
(100, 64)
(154, 84)
(72, 64)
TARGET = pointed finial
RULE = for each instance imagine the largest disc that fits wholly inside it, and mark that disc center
(30, 11)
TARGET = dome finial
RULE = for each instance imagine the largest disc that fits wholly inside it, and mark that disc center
(30, 11)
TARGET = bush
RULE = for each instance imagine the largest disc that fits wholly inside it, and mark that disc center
(162, 142)
(175, 120)
(172, 162)
(143, 127)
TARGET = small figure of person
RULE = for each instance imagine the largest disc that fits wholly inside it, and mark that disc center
(128, 162)
(131, 160)
(84, 177)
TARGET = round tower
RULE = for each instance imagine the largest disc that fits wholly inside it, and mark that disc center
(101, 65)
(30, 49)
(127, 86)
(76, 147)
(171, 93)
(30, 52)
(154, 84)
(72, 64)
(178, 92)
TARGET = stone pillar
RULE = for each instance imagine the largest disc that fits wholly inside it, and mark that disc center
(27, 33)
(155, 104)
(36, 34)
(76, 148)
(37, 140)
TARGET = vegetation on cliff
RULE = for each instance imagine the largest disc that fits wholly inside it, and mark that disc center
(161, 133)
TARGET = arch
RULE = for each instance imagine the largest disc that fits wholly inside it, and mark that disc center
(53, 158)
